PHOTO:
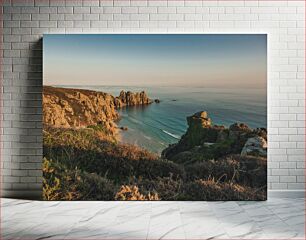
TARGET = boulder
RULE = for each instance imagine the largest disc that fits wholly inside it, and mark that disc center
(239, 133)
(124, 128)
(256, 146)
(239, 127)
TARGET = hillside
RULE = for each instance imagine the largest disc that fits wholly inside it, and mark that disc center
(84, 161)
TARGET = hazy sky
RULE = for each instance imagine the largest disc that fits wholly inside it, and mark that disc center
(214, 60)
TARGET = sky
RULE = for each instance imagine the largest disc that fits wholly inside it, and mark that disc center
(196, 60)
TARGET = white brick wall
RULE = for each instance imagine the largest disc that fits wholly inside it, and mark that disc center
(24, 22)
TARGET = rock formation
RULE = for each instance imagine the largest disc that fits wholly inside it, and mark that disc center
(131, 99)
(203, 140)
(255, 146)
(63, 107)
(77, 108)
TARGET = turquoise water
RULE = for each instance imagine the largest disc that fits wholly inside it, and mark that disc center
(157, 125)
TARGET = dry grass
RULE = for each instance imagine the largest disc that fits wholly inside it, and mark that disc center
(131, 193)
(84, 164)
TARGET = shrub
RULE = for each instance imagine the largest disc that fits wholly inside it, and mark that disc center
(51, 184)
(61, 183)
(245, 170)
(132, 193)
(167, 188)
(222, 170)
(210, 190)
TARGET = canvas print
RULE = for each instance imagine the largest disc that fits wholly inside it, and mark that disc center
(155, 117)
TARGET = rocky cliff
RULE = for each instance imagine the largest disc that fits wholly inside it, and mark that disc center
(203, 141)
(77, 108)
(131, 99)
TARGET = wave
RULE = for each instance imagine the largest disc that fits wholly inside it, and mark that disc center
(171, 134)
(132, 119)
(147, 137)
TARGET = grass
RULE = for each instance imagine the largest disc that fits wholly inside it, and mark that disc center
(88, 164)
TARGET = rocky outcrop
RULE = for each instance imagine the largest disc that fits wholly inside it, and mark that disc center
(63, 107)
(203, 140)
(131, 99)
(256, 146)
(77, 108)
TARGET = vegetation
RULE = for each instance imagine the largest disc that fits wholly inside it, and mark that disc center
(88, 164)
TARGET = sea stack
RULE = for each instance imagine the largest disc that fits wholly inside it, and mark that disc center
(132, 99)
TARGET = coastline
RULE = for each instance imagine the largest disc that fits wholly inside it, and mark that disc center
(147, 124)
(86, 157)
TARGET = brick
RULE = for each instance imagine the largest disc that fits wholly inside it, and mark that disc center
(222, 24)
(148, 24)
(140, 17)
(91, 16)
(74, 3)
(111, 10)
(130, 24)
(62, 10)
(120, 17)
(166, 10)
(129, 10)
(57, 17)
(21, 31)
(158, 3)
(40, 16)
(57, 3)
(193, 17)
(121, 3)
(28, 179)
(288, 179)
(11, 24)
(47, 24)
(167, 24)
(185, 10)
(91, 3)
(160, 17)
(11, 10)
(65, 24)
(138, 3)
(176, 17)
(21, 16)
(81, 9)
(10, 179)
(23, 3)
(104, 17)
(98, 24)
(81, 24)
(48, 10)
(73, 16)
(19, 173)
(40, 3)
(29, 10)
(147, 9)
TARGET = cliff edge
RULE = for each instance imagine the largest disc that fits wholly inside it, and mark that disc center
(78, 108)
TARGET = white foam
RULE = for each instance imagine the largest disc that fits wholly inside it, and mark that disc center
(171, 134)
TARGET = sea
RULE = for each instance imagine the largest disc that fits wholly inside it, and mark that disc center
(157, 125)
